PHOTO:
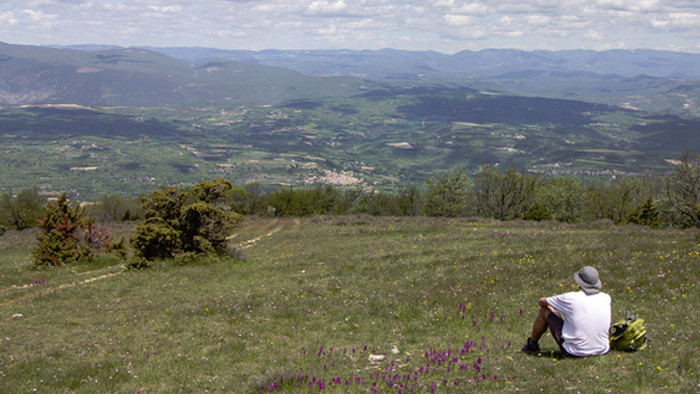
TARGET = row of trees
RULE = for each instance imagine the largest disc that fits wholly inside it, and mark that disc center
(502, 194)
(493, 193)
(176, 222)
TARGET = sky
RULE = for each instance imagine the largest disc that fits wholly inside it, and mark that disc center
(446, 26)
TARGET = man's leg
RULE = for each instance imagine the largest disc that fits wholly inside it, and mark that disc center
(540, 325)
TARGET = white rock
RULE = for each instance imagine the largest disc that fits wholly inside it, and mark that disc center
(375, 358)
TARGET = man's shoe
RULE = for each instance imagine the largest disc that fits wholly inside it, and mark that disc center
(531, 347)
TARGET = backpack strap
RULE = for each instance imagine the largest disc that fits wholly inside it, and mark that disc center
(629, 315)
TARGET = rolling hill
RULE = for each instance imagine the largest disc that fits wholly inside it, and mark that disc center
(139, 77)
(660, 81)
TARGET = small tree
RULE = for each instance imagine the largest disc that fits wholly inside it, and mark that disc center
(504, 195)
(448, 195)
(116, 208)
(410, 201)
(683, 189)
(646, 214)
(21, 211)
(58, 241)
(564, 198)
(537, 212)
(614, 200)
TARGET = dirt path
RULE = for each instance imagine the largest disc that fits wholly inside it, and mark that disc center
(262, 230)
(251, 242)
(43, 287)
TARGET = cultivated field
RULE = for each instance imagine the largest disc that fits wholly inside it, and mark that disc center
(350, 304)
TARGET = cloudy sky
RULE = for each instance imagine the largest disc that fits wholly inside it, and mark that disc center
(443, 25)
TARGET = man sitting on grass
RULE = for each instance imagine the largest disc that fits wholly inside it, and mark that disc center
(579, 320)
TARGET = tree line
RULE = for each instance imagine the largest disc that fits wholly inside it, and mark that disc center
(493, 192)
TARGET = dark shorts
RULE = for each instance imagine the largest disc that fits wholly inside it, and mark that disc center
(556, 324)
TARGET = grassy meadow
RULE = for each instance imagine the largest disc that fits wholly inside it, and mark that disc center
(350, 304)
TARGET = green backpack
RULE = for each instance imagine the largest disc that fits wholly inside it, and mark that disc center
(628, 335)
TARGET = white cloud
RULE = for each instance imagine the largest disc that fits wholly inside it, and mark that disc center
(446, 25)
(8, 18)
(39, 16)
(476, 9)
(595, 35)
(327, 7)
(459, 20)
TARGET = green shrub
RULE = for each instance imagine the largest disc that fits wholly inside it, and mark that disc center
(646, 215)
(537, 213)
(59, 241)
(205, 227)
(155, 240)
(137, 262)
(119, 248)
(2, 229)
(195, 221)
(164, 204)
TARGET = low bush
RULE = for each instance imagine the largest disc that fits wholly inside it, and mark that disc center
(178, 221)
(537, 213)
(154, 240)
(137, 262)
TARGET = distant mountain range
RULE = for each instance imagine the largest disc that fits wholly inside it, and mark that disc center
(392, 64)
(662, 81)
(141, 77)
(659, 81)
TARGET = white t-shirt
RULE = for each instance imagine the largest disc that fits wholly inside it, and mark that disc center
(586, 322)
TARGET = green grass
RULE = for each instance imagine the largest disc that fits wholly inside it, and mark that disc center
(315, 297)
